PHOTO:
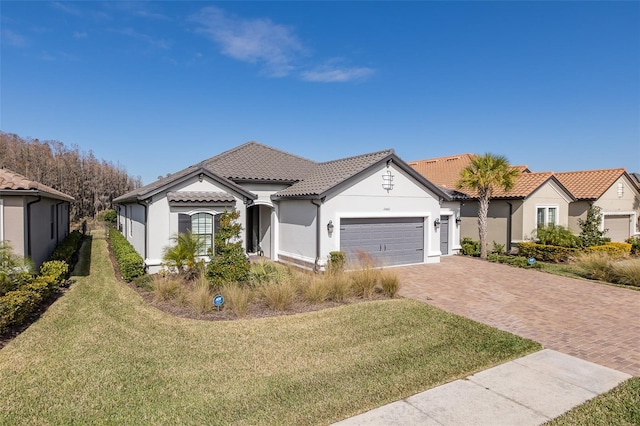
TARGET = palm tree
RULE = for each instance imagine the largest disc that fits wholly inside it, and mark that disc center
(485, 174)
(183, 256)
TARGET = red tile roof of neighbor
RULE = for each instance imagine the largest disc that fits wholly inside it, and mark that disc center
(16, 182)
(589, 184)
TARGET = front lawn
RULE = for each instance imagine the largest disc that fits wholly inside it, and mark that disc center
(100, 354)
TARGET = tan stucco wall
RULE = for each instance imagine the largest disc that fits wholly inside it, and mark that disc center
(496, 222)
(548, 195)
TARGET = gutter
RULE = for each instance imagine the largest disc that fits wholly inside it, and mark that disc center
(317, 203)
(29, 223)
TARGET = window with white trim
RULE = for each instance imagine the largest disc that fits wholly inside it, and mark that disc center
(546, 215)
(201, 225)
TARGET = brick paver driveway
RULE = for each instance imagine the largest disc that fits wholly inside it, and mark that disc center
(595, 322)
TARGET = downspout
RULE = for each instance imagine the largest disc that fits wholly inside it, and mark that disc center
(317, 203)
(58, 221)
(29, 224)
(509, 222)
(146, 234)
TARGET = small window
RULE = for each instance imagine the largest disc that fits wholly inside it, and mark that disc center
(200, 224)
(546, 216)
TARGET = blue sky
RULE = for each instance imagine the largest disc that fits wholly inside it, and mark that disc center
(158, 86)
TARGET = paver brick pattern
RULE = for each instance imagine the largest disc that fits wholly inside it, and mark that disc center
(595, 322)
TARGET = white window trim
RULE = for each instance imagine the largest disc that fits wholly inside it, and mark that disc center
(546, 214)
(130, 218)
(633, 219)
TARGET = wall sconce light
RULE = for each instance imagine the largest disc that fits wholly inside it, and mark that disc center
(200, 177)
(458, 220)
(330, 227)
(436, 223)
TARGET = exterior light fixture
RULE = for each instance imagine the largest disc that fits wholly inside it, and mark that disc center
(330, 227)
(387, 181)
(200, 177)
(458, 220)
(436, 223)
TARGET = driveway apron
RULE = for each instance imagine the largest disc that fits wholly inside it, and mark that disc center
(595, 322)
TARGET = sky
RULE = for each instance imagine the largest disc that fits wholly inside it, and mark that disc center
(158, 86)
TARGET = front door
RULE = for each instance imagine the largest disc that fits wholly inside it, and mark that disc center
(444, 235)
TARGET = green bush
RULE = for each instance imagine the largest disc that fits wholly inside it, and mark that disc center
(519, 261)
(229, 263)
(557, 235)
(590, 234)
(265, 271)
(15, 306)
(15, 271)
(67, 250)
(129, 261)
(635, 244)
(497, 248)
(144, 281)
(546, 253)
(337, 260)
(109, 217)
(470, 247)
(57, 269)
(44, 285)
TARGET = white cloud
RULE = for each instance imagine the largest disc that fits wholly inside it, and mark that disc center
(13, 39)
(332, 74)
(257, 41)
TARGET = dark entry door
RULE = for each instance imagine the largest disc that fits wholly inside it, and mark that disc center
(444, 234)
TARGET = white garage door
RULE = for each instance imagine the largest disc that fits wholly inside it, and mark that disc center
(389, 241)
(618, 227)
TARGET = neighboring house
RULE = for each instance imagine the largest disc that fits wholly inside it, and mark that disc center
(614, 191)
(293, 209)
(34, 218)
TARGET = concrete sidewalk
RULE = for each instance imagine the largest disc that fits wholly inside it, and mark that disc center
(527, 391)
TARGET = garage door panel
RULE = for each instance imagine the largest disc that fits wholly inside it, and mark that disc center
(389, 241)
(618, 227)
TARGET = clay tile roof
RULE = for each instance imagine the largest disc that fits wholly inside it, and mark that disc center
(325, 176)
(525, 185)
(589, 184)
(253, 161)
(443, 171)
(13, 181)
(199, 197)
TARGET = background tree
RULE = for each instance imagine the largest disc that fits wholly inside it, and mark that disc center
(485, 174)
(93, 183)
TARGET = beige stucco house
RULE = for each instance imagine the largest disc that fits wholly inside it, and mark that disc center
(614, 191)
(34, 218)
(293, 209)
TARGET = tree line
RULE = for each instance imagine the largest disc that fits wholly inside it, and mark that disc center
(92, 182)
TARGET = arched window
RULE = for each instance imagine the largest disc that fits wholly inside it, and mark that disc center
(200, 224)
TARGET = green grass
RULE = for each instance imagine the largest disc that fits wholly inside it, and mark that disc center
(574, 271)
(101, 355)
(620, 406)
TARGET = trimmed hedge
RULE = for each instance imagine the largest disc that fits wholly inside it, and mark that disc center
(546, 253)
(519, 261)
(613, 249)
(66, 251)
(129, 261)
(16, 305)
(635, 244)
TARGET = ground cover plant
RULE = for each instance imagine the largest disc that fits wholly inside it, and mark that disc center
(102, 355)
(619, 406)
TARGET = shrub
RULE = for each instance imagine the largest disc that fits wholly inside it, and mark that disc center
(129, 261)
(45, 286)
(627, 272)
(546, 253)
(15, 306)
(229, 263)
(166, 288)
(336, 263)
(109, 217)
(316, 291)
(339, 286)
(635, 244)
(237, 298)
(265, 271)
(201, 298)
(497, 248)
(519, 261)
(364, 281)
(144, 281)
(57, 269)
(279, 296)
(67, 250)
(470, 247)
(597, 265)
(590, 234)
(614, 250)
(557, 235)
(390, 283)
(182, 256)
(15, 271)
